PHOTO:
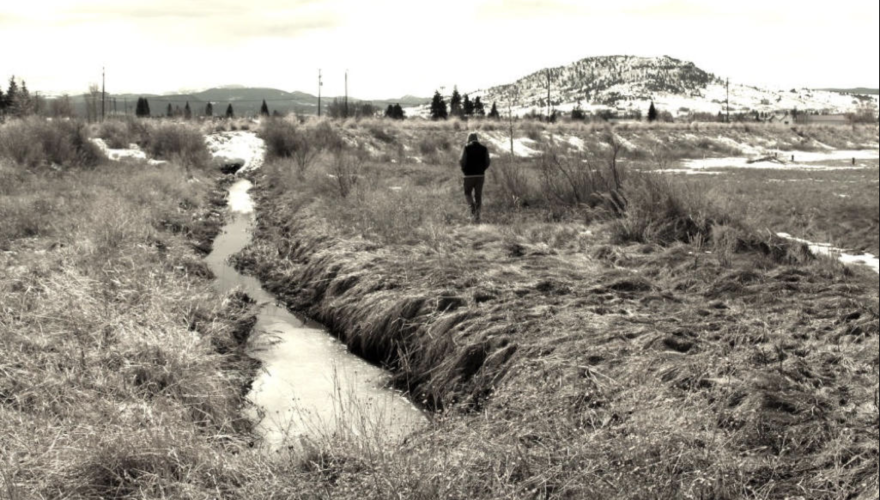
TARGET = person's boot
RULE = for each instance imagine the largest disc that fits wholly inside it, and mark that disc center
(477, 216)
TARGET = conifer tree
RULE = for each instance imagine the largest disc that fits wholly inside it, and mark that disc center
(264, 109)
(170, 112)
(455, 108)
(2, 102)
(468, 106)
(438, 107)
(187, 112)
(12, 97)
(493, 113)
(24, 105)
(229, 112)
(389, 111)
(479, 108)
(209, 110)
(146, 107)
(652, 113)
(399, 113)
(139, 107)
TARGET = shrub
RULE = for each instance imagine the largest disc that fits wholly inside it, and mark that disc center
(346, 170)
(177, 142)
(122, 133)
(36, 142)
(512, 180)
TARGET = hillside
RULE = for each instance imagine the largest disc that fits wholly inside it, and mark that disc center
(626, 85)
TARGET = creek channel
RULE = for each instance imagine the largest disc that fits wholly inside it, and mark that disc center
(310, 388)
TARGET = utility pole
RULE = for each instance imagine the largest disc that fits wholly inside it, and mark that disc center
(548, 95)
(103, 93)
(320, 84)
(728, 100)
(346, 93)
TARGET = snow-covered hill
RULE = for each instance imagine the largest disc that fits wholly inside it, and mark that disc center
(626, 85)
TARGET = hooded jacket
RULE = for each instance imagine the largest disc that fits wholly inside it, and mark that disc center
(475, 160)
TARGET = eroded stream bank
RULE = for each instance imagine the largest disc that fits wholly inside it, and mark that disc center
(311, 387)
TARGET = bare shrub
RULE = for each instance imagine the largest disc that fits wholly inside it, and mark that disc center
(572, 180)
(345, 170)
(513, 181)
(178, 143)
(36, 142)
(123, 132)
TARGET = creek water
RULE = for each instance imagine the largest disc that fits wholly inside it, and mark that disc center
(310, 387)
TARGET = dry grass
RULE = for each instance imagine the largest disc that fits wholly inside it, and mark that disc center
(697, 358)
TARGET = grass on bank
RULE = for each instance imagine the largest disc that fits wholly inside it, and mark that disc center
(694, 356)
(121, 373)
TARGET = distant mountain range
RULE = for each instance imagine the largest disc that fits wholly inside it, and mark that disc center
(623, 85)
(627, 85)
(245, 101)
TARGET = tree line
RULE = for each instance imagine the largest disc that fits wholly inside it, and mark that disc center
(460, 107)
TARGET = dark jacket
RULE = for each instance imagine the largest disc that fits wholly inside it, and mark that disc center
(475, 160)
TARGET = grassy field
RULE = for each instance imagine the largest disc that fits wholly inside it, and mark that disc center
(681, 351)
(566, 349)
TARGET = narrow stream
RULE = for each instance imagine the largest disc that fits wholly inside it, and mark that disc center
(311, 388)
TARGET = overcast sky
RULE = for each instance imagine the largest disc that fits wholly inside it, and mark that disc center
(398, 47)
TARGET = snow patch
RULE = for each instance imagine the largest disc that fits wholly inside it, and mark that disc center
(803, 160)
(826, 249)
(243, 144)
(520, 145)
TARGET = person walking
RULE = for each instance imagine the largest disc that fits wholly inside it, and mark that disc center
(474, 162)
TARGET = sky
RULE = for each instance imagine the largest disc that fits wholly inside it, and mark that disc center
(392, 48)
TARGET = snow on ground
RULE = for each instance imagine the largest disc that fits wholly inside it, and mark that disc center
(245, 145)
(521, 147)
(825, 249)
(802, 161)
(132, 152)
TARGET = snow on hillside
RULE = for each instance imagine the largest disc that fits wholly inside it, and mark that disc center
(627, 85)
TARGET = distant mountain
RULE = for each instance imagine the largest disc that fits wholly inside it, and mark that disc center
(246, 101)
(626, 85)
(856, 91)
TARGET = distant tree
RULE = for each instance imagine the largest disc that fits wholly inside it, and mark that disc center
(209, 110)
(578, 113)
(389, 111)
(2, 103)
(11, 96)
(479, 108)
(264, 109)
(187, 112)
(438, 107)
(493, 113)
(147, 107)
(62, 107)
(652, 113)
(468, 106)
(24, 103)
(170, 111)
(455, 108)
(398, 112)
(229, 112)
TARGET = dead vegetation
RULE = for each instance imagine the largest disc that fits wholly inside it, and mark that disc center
(672, 352)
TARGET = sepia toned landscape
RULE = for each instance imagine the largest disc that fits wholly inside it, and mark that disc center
(669, 292)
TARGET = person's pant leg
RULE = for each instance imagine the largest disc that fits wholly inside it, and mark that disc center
(469, 188)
